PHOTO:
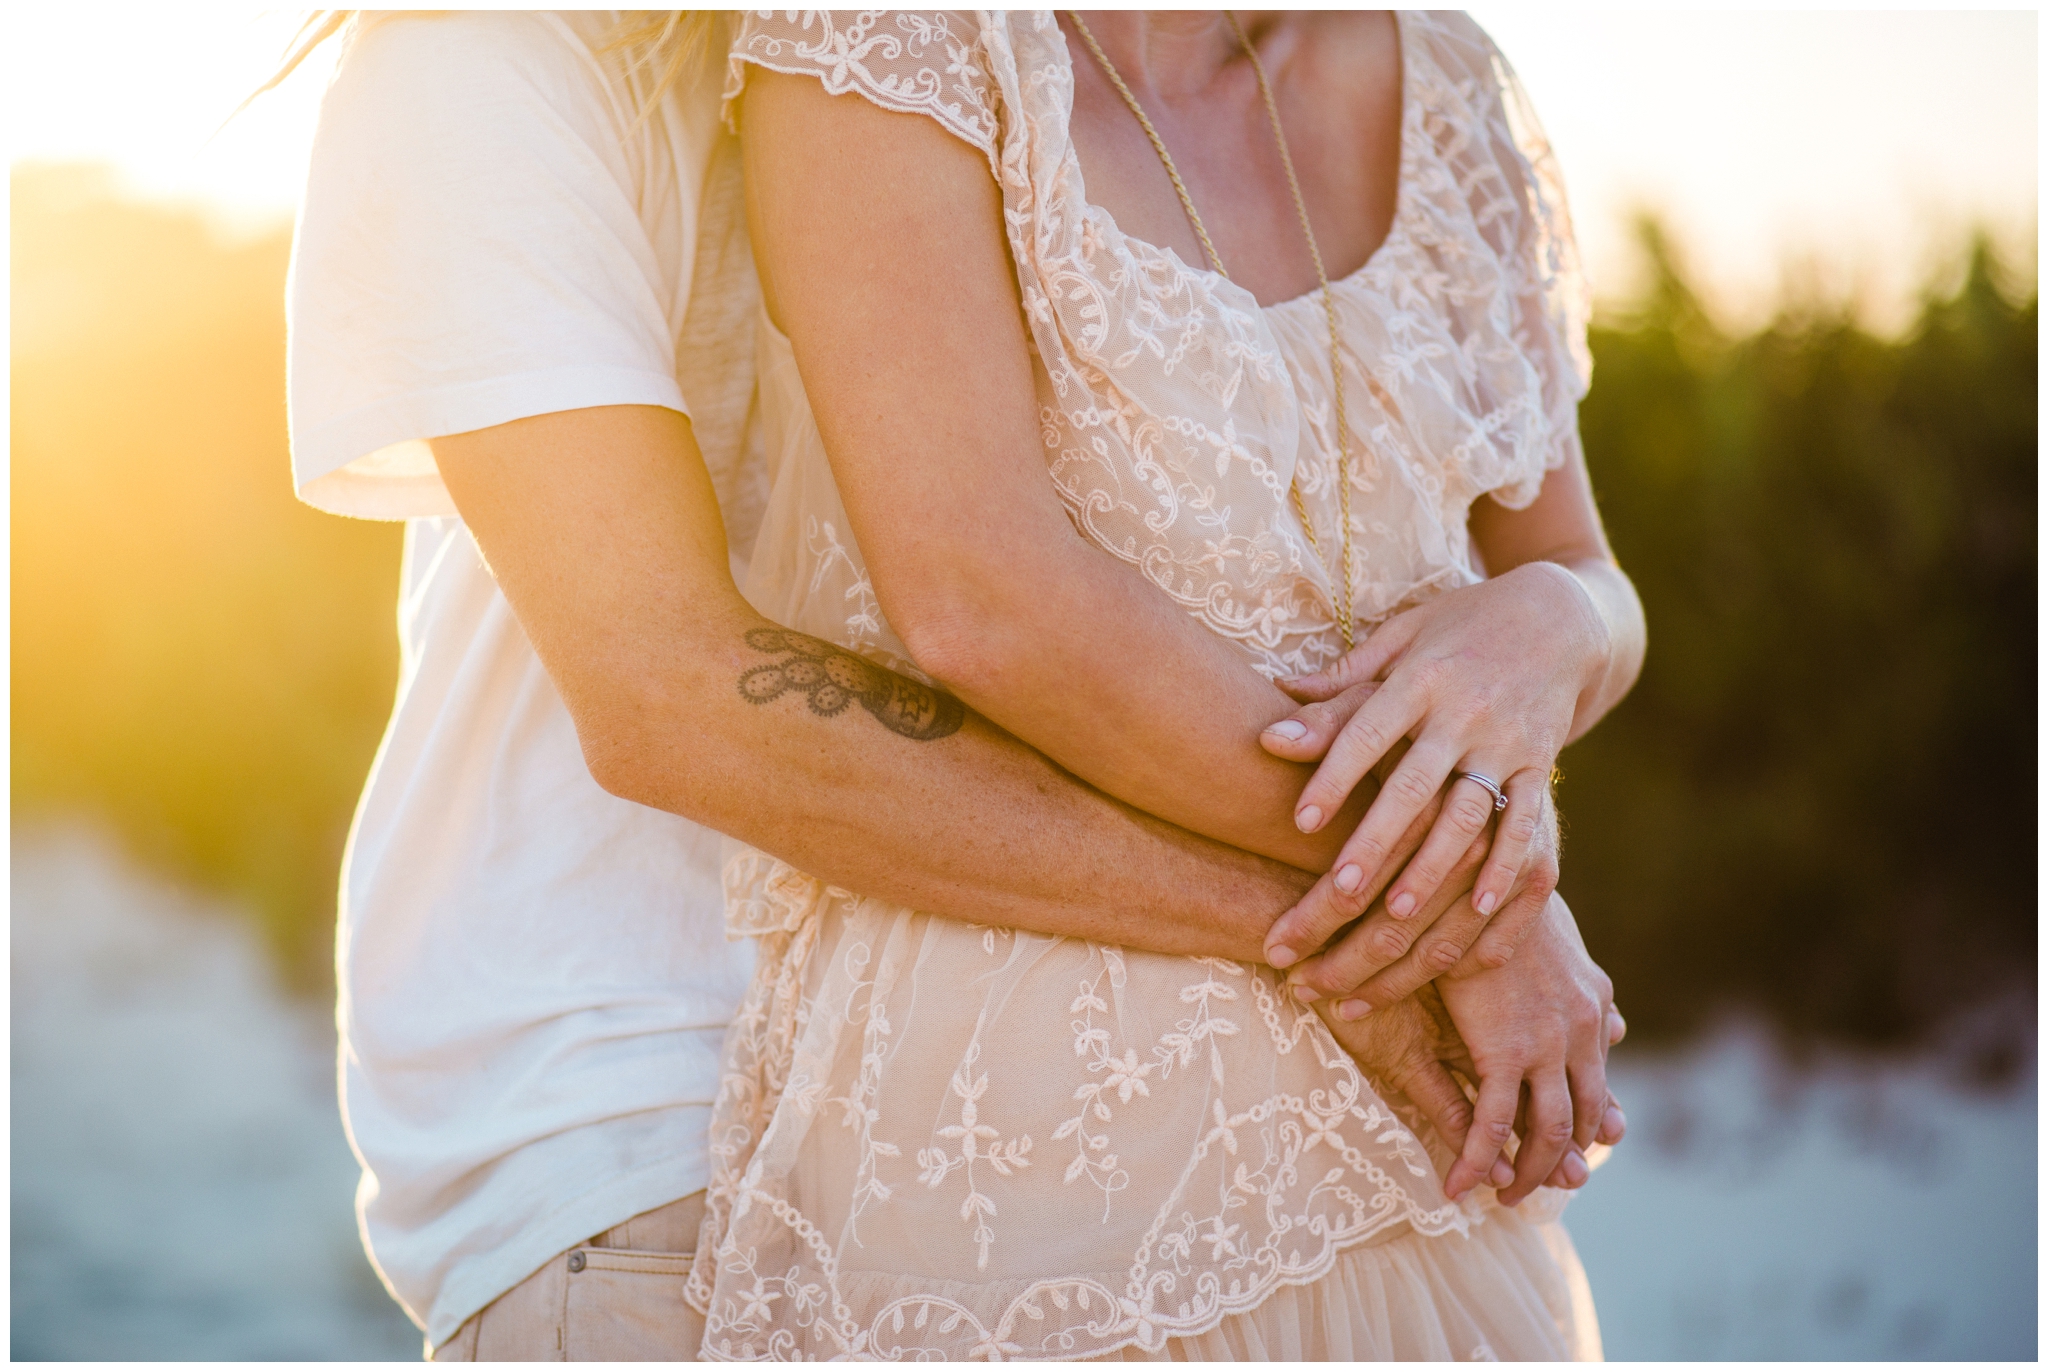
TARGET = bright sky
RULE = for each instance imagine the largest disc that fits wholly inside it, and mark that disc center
(1855, 147)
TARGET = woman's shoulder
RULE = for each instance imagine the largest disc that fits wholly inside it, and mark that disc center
(936, 63)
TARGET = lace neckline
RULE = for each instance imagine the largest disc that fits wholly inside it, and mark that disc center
(1218, 284)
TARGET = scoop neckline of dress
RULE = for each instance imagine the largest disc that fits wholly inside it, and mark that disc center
(1395, 226)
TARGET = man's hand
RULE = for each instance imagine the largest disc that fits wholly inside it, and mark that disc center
(1538, 1031)
(1413, 1047)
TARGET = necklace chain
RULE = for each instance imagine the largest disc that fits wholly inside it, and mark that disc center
(1342, 600)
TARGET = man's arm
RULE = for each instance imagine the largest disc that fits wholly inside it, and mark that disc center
(603, 531)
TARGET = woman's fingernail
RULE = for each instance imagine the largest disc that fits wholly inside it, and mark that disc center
(1575, 1172)
(1306, 993)
(1487, 902)
(1350, 877)
(1353, 1009)
(1280, 955)
(1293, 730)
(1403, 905)
(1308, 818)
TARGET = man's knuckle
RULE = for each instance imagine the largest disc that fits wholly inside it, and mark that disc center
(1494, 954)
(1388, 943)
(1441, 956)
(1320, 979)
(1496, 1133)
(1555, 1132)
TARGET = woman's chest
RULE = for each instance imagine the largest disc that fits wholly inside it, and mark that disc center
(1337, 89)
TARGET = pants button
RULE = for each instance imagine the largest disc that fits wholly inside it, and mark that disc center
(575, 1262)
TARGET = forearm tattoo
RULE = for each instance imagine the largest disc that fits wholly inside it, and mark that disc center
(830, 678)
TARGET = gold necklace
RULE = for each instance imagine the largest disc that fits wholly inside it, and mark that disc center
(1341, 602)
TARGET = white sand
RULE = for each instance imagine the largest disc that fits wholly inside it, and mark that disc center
(182, 1188)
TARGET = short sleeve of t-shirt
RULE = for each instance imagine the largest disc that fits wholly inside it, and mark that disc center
(477, 244)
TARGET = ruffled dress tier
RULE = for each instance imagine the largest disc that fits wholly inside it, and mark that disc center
(938, 1139)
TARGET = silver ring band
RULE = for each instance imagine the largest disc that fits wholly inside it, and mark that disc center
(1500, 797)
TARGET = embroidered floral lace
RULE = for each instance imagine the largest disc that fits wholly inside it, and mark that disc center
(935, 1139)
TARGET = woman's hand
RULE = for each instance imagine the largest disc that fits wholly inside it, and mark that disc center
(1384, 958)
(1486, 679)
(1538, 1031)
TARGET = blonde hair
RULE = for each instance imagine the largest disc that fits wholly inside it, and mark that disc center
(662, 44)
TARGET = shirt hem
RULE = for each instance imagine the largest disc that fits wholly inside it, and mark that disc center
(482, 1280)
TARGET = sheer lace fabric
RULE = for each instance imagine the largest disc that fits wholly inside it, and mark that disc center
(939, 1139)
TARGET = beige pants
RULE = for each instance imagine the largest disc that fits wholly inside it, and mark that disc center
(617, 1298)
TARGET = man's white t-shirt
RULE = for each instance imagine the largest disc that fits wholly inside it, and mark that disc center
(534, 981)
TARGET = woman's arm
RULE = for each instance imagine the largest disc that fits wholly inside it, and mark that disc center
(883, 258)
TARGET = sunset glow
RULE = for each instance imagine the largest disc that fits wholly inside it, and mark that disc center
(1855, 147)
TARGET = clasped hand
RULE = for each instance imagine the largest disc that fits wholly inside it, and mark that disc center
(1487, 679)
(1534, 1036)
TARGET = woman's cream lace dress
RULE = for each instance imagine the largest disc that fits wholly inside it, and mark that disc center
(942, 1140)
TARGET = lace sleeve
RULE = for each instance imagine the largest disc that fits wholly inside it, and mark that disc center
(1518, 208)
(929, 62)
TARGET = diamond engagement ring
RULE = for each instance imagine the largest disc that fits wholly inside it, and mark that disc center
(1500, 797)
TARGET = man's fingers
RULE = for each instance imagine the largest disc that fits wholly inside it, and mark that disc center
(1435, 1092)
(1589, 1100)
(1315, 918)
(1527, 793)
(1440, 947)
(1374, 943)
(1380, 941)
(1571, 1173)
(1305, 735)
(1493, 1124)
(1613, 1124)
(1547, 1134)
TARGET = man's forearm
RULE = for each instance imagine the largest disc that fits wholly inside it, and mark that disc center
(602, 530)
(880, 784)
